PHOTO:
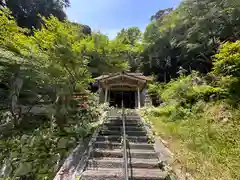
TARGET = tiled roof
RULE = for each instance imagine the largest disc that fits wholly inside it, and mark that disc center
(137, 75)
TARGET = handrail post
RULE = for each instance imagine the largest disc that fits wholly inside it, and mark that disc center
(125, 159)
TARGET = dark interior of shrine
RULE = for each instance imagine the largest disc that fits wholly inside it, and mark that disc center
(128, 98)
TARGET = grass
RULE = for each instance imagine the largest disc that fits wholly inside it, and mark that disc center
(204, 137)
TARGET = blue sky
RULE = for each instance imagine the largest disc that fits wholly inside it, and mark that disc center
(110, 16)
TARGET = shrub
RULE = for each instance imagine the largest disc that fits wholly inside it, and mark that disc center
(176, 89)
(189, 89)
(154, 89)
(203, 92)
(163, 111)
(227, 66)
(227, 61)
(204, 136)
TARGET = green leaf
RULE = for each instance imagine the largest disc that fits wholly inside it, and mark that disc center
(23, 169)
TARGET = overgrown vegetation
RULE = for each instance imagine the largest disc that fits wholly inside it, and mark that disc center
(194, 52)
(200, 117)
(184, 39)
(38, 152)
(48, 62)
(46, 109)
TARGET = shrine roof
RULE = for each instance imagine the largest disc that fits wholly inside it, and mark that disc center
(139, 76)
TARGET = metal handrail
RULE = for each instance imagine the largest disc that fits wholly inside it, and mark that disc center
(125, 158)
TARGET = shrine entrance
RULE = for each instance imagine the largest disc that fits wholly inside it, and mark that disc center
(128, 98)
(129, 87)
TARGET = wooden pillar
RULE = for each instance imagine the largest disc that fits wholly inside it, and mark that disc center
(106, 95)
(139, 102)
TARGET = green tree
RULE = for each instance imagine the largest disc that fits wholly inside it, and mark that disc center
(26, 12)
(189, 36)
(227, 68)
(129, 36)
(227, 61)
(131, 46)
(104, 55)
(39, 74)
(151, 33)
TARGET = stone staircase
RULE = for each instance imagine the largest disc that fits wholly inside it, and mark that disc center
(106, 160)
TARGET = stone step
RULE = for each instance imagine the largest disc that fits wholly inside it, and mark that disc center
(118, 163)
(119, 115)
(131, 125)
(118, 153)
(117, 174)
(109, 138)
(128, 133)
(115, 145)
(119, 128)
(119, 121)
(118, 138)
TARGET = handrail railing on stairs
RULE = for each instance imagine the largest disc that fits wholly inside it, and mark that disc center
(125, 158)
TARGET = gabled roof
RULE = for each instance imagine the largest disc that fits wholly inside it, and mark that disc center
(139, 76)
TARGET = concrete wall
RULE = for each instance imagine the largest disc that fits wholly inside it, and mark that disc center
(143, 96)
(136, 100)
(101, 96)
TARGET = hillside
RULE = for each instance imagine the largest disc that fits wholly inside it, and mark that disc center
(193, 53)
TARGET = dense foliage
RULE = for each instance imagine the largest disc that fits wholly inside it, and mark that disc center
(131, 41)
(200, 117)
(194, 53)
(26, 12)
(48, 62)
(46, 108)
(188, 36)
